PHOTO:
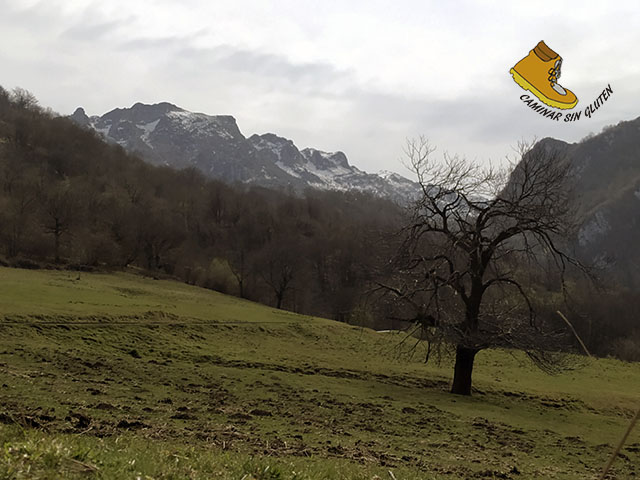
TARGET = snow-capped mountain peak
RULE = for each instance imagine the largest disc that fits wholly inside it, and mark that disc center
(166, 134)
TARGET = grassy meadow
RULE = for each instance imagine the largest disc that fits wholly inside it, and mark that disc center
(118, 376)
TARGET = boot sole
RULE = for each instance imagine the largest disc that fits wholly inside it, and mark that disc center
(527, 86)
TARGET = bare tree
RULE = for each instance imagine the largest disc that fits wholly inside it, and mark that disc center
(461, 268)
(24, 99)
(240, 268)
(280, 263)
(60, 208)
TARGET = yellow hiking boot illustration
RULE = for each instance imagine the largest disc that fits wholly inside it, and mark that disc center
(539, 72)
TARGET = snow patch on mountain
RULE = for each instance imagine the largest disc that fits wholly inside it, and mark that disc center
(202, 126)
(289, 170)
(104, 131)
(394, 178)
(148, 129)
(275, 147)
(330, 178)
(193, 123)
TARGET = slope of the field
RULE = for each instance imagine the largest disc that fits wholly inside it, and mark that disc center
(119, 376)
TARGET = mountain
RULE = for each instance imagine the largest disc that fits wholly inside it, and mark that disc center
(606, 180)
(164, 134)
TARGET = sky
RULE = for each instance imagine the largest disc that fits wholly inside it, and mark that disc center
(360, 76)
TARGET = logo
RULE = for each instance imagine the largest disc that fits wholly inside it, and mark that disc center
(538, 73)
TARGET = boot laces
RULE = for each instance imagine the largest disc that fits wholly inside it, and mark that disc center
(554, 73)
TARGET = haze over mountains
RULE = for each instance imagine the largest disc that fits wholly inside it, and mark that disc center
(165, 134)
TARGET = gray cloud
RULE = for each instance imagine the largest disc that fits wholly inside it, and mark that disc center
(104, 58)
(274, 66)
(161, 43)
(95, 31)
(277, 70)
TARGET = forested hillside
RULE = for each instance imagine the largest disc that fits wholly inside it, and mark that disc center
(68, 199)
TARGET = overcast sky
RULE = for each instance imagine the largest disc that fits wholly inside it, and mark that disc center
(357, 76)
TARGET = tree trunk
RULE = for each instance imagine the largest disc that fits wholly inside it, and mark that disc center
(57, 233)
(462, 370)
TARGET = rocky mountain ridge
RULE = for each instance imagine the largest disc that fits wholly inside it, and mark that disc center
(164, 134)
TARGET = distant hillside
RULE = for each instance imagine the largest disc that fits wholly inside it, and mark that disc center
(165, 134)
(606, 169)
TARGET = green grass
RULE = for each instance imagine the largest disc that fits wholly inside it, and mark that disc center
(119, 376)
